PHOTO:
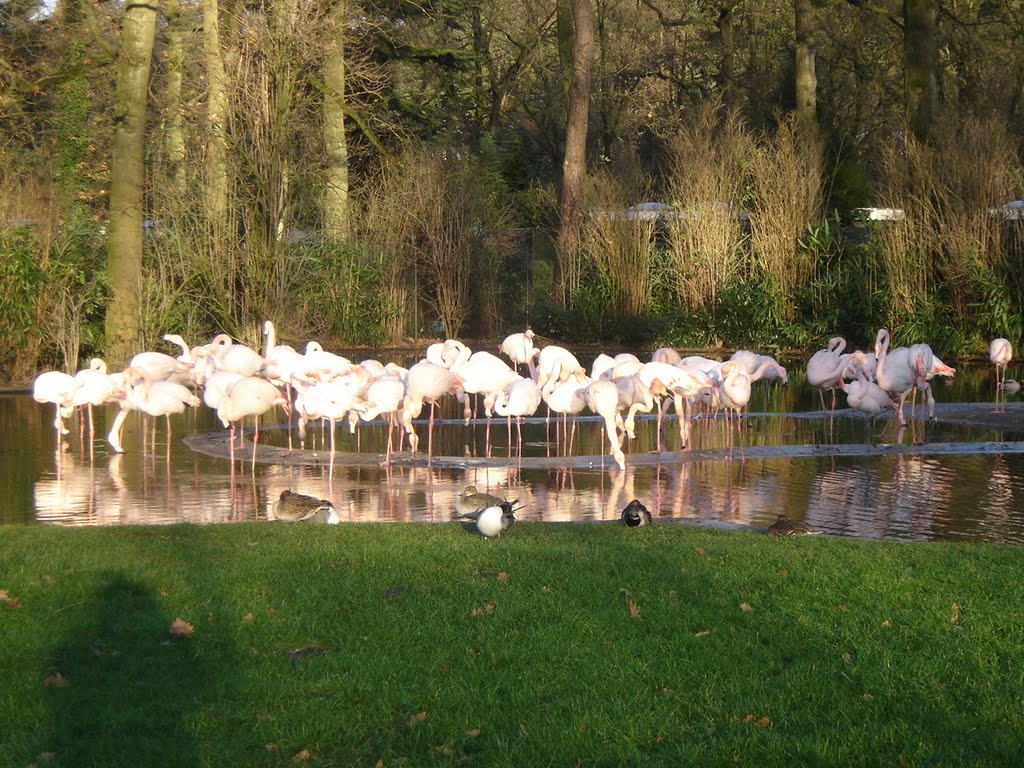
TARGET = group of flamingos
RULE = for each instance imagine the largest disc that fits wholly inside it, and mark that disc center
(238, 382)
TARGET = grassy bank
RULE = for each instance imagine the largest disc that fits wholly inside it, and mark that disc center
(555, 645)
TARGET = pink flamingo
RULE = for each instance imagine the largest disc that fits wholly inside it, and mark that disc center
(93, 387)
(249, 396)
(825, 368)
(428, 382)
(1000, 352)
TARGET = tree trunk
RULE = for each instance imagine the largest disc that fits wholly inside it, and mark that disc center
(336, 200)
(920, 52)
(727, 36)
(564, 10)
(806, 77)
(174, 131)
(127, 182)
(216, 197)
(574, 165)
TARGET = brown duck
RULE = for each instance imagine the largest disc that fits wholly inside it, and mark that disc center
(786, 527)
(298, 507)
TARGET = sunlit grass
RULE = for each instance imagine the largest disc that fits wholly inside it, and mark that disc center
(553, 645)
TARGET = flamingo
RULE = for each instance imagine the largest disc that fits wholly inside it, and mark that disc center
(249, 396)
(484, 374)
(666, 355)
(519, 348)
(868, 397)
(154, 397)
(520, 398)
(557, 364)
(826, 368)
(425, 381)
(894, 372)
(58, 388)
(566, 398)
(94, 386)
(384, 397)
(603, 399)
(1000, 352)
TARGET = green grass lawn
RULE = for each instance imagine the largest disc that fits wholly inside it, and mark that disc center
(561, 645)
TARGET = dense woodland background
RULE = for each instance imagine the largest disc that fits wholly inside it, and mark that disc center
(367, 173)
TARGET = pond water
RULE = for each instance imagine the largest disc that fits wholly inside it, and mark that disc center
(955, 480)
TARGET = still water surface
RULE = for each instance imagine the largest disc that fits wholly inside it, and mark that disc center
(745, 479)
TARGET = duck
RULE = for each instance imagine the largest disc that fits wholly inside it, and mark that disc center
(1010, 386)
(471, 500)
(492, 520)
(298, 507)
(784, 526)
(636, 514)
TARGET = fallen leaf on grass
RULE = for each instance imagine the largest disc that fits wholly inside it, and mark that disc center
(703, 633)
(760, 721)
(701, 552)
(487, 607)
(473, 733)
(886, 623)
(843, 608)
(419, 717)
(955, 609)
(181, 628)
(503, 576)
(301, 756)
(634, 609)
(56, 680)
(746, 607)
(248, 618)
(867, 697)
(444, 749)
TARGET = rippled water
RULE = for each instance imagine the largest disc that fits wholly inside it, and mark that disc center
(738, 479)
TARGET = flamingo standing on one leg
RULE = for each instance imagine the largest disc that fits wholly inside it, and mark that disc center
(1000, 352)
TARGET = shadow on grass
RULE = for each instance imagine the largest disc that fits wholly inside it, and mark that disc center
(123, 691)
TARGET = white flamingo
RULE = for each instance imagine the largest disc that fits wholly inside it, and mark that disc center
(603, 399)
(520, 398)
(94, 387)
(58, 388)
(1000, 352)
(153, 397)
(425, 382)
(519, 348)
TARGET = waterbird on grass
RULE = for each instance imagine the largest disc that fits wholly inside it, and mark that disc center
(636, 514)
(298, 507)
(471, 500)
(784, 526)
(493, 520)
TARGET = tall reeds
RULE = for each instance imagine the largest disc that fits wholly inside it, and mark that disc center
(786, 177)
(620, 239)
(706, 185)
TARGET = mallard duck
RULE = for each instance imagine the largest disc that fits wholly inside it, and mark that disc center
(470, 500)
(492, 520)
(786, 527)
(636, 514)
(298, 507)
